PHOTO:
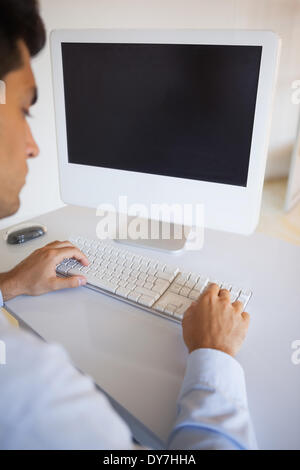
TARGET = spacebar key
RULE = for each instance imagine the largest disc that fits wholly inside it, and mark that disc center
(102, 283)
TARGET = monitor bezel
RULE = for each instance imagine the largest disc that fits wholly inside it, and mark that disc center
(226, 207)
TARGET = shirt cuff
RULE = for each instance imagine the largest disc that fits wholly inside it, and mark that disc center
(215, 370)
(3, 319)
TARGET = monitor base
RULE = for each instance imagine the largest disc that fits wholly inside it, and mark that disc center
(152, 234)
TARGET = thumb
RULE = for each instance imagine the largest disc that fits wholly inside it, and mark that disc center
(68, 282)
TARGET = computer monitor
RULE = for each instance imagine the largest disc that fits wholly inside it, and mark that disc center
(165, 117)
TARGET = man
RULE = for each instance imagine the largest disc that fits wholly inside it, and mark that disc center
(45, 402)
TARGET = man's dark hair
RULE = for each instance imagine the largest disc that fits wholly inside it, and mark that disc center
(19, 19)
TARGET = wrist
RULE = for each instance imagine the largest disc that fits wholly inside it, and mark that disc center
(207, 345)
(9, 286)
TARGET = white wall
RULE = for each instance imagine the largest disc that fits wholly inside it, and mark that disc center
(41, 193)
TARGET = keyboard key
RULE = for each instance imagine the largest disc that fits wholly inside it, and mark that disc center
(72, 262)
(144, 269)
(142, 276)
(234, 293)
(152, 271)
(180, 311)
(146, 300)
(160, 307)
(225, 285)
(173, 299)
(160, 266)
(161, 282)
(122, 291)
(194, 294)
(159, 288)
(165, 275)
(171, 270)
(244, 297)
(194, 277)
(201, 283)
(185, 291)
(190, 283)
(180, 280)
(178, 315)
(175, 288)
(148, 292)
(148, 285)
(133, 296)
(102, 283)
(74, 271)
(170, 308)
(62, 269)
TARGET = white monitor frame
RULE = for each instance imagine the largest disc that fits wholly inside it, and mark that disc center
(293, 189)
(226, 207)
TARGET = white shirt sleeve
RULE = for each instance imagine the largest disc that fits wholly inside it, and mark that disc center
(46, 403)
(212, 408)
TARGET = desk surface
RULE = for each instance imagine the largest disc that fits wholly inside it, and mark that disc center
(139, 359)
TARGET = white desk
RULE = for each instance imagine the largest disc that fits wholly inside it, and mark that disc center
(139, 359)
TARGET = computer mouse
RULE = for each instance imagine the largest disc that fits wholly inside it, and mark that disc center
(25, 233)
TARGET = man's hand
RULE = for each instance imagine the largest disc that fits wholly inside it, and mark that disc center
(213, 322)
(36, 274)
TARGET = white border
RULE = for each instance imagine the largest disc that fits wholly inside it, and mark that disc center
(227, 207)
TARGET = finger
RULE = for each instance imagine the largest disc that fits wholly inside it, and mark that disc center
(58, 244)
(70, 252)
(58, 283)
(246, 317)
(190, 309)
(238, 306)
(224, 294)
(212, 288)
(192, 306)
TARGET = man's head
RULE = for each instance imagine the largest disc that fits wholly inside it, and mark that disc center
(22, 35)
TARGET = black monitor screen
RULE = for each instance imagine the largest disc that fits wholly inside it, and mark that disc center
(185, 111)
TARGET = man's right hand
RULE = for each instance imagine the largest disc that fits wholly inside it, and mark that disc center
(214, 322)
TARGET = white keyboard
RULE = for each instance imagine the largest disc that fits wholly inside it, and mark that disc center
(144, 282)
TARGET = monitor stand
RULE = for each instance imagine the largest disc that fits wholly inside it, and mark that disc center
(152, 234)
